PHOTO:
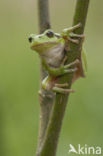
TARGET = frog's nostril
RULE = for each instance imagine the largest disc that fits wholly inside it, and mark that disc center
(30, 39)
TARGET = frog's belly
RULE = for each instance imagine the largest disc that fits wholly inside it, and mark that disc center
(54, 56)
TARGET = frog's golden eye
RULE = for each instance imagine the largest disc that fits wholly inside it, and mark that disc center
(50, 34)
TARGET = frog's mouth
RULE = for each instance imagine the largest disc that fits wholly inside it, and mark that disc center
(46, 45)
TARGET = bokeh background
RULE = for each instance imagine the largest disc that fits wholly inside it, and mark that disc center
(19, 79)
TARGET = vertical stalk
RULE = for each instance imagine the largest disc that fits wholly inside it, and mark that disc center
(50, 142)
(43, 15)
(45, 98)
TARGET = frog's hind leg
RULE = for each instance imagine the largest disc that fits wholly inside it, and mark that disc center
(59, 88)
(61, 85)
(62, 90)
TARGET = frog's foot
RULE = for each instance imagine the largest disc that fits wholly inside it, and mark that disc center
(62, 90)
(71, 64)
(41, 94)
(61, 85)
(76, 41)
(76, 35)
(71, 29)
(71, 70)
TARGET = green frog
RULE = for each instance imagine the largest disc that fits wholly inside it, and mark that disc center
(52, 48)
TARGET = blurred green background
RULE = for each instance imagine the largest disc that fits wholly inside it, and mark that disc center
(19, 79)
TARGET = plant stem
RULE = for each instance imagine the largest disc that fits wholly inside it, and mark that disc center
(43, 12)
(50, 142)
(46, 98)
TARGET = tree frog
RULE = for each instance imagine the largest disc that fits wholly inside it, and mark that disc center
(52, 49)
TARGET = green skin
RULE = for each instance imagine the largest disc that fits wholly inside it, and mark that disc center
(50, 46)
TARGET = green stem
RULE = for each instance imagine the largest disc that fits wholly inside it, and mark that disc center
(54, 126)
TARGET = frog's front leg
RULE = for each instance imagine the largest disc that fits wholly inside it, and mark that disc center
(63, 69)
(67, 31)
(68, 34)
(74, 38)
(76, 35)
(49, 83)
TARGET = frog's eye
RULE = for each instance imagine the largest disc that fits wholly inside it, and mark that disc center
(50, 34)
(30, 39)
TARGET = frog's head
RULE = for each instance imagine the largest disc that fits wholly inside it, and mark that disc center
(45, 41)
